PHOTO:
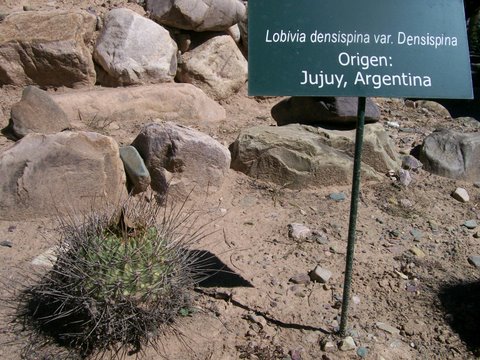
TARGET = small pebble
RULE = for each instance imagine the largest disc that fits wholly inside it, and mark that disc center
(417, 252)
(409, 162)
(404, 177)
(320, 274)
(474, 260)
(388, 328)
(362, 351)
(6, 243)
(470, 224)
(298, 231)
(347, 344)
(337, 196)
(417, 234)
(461, 195)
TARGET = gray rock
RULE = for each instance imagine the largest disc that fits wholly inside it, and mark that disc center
(298, 231)
(36, 112)
(47, 48)
(296, 156)
(334, 111)
(180, 158)
(470, 224)
(409, 162)
(461, 195)
(337, 196)
(347, 344)
(217, 67)
(474, 260)
(198, 15)
(417, 234)
(404, 177)
(388, 328)
(182, 103)
(63, 173)
(433, 106)
(362, 351)
(9, 244)
(452, 154)
(134, 50)
(137, 172)
(320, 274)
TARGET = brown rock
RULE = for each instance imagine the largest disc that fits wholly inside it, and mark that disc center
(68, 172)
(47, 48)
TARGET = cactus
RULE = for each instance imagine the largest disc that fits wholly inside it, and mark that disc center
(116, 287)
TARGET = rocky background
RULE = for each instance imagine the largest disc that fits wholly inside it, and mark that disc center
(103, 98)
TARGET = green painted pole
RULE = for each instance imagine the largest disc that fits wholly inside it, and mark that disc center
(353, 213)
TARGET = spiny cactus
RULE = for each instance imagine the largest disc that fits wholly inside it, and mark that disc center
(119, 280)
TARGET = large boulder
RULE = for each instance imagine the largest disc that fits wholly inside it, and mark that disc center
(180, 159)
(296, 155)
(64, 173)
(36, 112)
(96, 108)
(134, 50)
(217, 67)
(452, 154)
(332, 111)
(198, 15)
(47, 48)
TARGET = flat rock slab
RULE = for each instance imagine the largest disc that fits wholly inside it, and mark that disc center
(64, 173)
(95, 108)
(335, 111)
(299, 155)
(47, 48)
(452, 154)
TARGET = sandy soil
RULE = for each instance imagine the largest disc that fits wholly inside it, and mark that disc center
(432, 300)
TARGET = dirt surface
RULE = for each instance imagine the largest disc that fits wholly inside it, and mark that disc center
(432, 300)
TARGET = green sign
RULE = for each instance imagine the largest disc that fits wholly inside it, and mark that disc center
(391, 48)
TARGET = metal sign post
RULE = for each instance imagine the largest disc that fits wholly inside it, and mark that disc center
(357, 163)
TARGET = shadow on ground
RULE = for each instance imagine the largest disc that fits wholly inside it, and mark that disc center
(214, 272)
(462, 302)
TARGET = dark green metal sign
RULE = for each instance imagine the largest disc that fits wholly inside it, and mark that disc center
(391, 48)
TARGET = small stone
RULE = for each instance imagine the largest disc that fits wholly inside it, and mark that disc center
(433, 225)
(340, 196)
(320, 274)
(417, 252)
(328, 346)
(409, 162)
(320, 237)
(388, 328)
(417, 234)
(6, 243)
(404, 177)
(295, 354)
(405, 203)
(470, 224)
(410, 104)
(356, 299)
(137, 173)
(393, 124)
(477, 184)
(474, 260)
(477, 235)
(301, 278)
(347, 344)
(461, 195)
(298, 231)
(47, 259)
(362, 351)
